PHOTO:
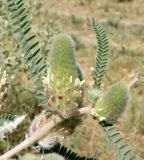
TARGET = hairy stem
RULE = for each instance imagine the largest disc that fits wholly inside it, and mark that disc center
(40, 134)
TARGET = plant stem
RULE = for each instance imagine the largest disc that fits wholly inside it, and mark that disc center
(40, 134)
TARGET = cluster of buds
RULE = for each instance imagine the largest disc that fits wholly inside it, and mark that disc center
(4, 86)
(63, 83)
(64, 95)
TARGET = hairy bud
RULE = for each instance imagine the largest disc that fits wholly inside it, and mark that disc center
(111, 105)
(64, 77)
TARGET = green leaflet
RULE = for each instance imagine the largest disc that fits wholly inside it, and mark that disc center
(112, 104)
(8, 123)
(69, 155)
(108, 107)
(102, 53)
(65, 152)
(6, 118)
(122, 149)
(29, 44)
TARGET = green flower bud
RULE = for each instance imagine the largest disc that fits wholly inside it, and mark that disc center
(62, 57)
(112, 104)
(64, 74)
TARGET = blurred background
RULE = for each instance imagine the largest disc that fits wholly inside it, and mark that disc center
(124, 23)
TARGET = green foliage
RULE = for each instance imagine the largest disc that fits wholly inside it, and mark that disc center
(112, 103)
(64, 152)
(109, 106)
(121, 149)
(8, 123)
(6, 117)
(102, 53)
(28, 42)
(54, 156)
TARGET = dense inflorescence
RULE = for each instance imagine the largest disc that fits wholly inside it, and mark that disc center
(63, 83)
(109, 107)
